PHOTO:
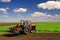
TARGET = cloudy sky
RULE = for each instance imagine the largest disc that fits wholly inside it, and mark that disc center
(34, 10)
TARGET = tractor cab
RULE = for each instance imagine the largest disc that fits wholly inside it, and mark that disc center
(25, 22)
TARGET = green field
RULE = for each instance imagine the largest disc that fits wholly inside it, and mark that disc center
(41, 27)
(48, 26)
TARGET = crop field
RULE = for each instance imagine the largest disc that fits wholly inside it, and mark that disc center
(41, 26)
(48, 26)
(46, 31)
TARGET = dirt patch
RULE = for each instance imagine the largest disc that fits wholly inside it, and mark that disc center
(31, 36)
(5, 24)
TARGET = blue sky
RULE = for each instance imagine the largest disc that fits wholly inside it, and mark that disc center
(35, 10)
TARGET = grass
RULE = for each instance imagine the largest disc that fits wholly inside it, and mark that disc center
(4, 29)
(48, 26)
(41, 27)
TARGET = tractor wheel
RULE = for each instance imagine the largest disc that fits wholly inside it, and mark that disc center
(26, 30)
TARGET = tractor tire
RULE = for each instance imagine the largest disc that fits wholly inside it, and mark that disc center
(26, 30)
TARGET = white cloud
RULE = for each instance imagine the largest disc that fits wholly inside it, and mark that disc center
(4, 10)
(49, 5)
(4, 16)
(5, 0)
(43, 17)
(40, 14)
(20, 10)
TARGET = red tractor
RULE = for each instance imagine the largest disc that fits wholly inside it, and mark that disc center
(24, 27)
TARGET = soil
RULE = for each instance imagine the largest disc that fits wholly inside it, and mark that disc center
(5, 24)
(31, 36)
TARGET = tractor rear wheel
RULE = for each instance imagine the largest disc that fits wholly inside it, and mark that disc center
(26, 30)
